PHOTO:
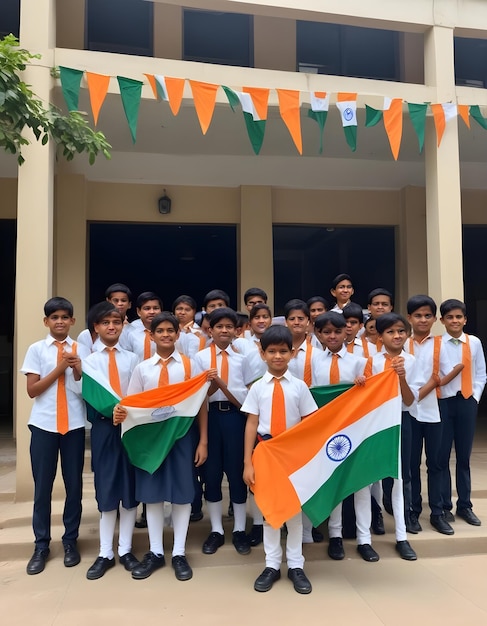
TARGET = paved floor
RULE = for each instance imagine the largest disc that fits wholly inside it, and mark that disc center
(445, 586)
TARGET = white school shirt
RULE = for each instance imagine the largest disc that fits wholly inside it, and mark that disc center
(126, 362)
(134, 340)
(297, 397)
(254, 367)
(296, 364)
(188, 344)
(358, 347)
(453, 350)
(41, 359)
(414, 376)
(146, 374)
(236, 384)
(349, 367)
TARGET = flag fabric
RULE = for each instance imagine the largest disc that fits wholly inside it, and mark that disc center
(98, 87)
(131, 93)
(255, 125)
(391, 113)
(204, 97)
(347, 105)
(171, 90)
(158, 418)
(325, 394)
(477, 116)
(320, 103)
(463, 112)
(417, 114)
(70, 84)
(289, 110)
(443, 113)
(96, 389)
(344, 446)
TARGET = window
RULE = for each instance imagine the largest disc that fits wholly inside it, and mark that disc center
(347, 50)
(224, 38)
(470, 62)
(9, 17)
(123, 26)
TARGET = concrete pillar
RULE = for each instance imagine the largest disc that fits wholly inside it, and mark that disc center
(34, 273)
(276, 52)
(443, 197)
(168, 31)
(255, 242)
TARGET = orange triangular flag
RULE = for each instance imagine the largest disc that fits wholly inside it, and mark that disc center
(440, 122)
(152, 82)
(393, 125)
(289, 109)
(175, 90)
(204, 96)
(260, 98)
(463, 112)
(98, 88)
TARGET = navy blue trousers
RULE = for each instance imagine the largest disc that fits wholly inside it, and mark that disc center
(45, 448)
(430, 434)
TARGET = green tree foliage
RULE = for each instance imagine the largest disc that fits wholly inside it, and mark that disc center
(20, 107)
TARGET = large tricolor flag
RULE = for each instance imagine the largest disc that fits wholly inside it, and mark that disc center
(344, 446)
(158, 418)
(96, 389)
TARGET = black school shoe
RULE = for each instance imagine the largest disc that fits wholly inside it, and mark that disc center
(412, 523)
(213, 542)
(256, 535)
(150, 563)
(440, 524)
(37, 561)
(241, 542)
(71, 555)
(469, 516)
(299, 579)
(129, 561)
(367, 552)
(405, 551)
(99, 568)
(181, 567)
(265, 581)
(335, 549)
(377, 523)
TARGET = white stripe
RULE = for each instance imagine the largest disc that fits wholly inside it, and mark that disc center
(99, 375)
(319, 104)
(162, 82)
(309, 478)
(387, 103)
(450, 110)
(348, 111)
(247, 104)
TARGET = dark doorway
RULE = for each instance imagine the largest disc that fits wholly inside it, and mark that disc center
(307, 258)
(8, 235)
(170, 260)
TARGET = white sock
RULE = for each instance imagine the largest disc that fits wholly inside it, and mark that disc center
(126, 530)
(155, 526)
(108, 519)
(257, 518)
(215, 511)
(180, 523)
(239, 516)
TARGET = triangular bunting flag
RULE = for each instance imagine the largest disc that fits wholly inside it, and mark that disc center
(171, 90)
(255, 126)
(347, 105)
(477, 116)
(152, 82)
(260, 99)
(463, 113)
(204, 96)
(318, 112)
(130, 92)
(393, 125)
(70, 83)
(289, 110)
(443, 113)
(98, 87)
(372, 116)
(417, 114)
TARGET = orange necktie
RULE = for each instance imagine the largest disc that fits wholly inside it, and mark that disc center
(62, 420)
(224, 370)
(164, 375)
(113, 375)
(278, 411)
(467, 388)
(379, 345)
(350, 347)
(202, 344)
(307, 365)
(334, 371)
(147, 346)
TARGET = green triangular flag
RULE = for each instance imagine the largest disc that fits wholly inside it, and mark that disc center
(320, 118)
(417, 113)
(372, 116)
(233, 99)
(255, 127)
(351, 136)
(70, 83)
(477, 116)
(131, 93)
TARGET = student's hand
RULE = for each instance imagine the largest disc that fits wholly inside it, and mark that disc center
(360, 381)
(201, 454)
(71, 359)
(119, 414)
(398, 366)
(211, 374)
(249, 475)
(186, 328)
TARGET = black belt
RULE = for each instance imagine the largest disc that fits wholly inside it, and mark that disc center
(222, 405)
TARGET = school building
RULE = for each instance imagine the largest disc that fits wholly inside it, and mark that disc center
(280, 220)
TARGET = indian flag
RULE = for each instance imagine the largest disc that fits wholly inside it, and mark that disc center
(254, 122)
(347, 105)
(320, 103)
(344, 446)
(96, 389)
(158, 418)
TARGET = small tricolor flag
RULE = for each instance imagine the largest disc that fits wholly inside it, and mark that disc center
(158, 418)
(344, 446)
(320, 102)
(347, 105)
(254, 122)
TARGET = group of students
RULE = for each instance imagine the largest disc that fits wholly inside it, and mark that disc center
(259, 374)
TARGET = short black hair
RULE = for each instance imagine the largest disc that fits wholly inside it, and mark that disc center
(330, 317)
(216, 294)
(276, 335)
(380, 291)
(387, 320)
(449, 305)
(254, 291)
(99, 311)
(118, 287)
(242, 319)
(416, 302)
(295, 305)
(145, 296)
(259, 307)
(164, 316)
(353, 310)
(339, 279)
(221, 313)
(58, 304)
(184, 299)
(315, 299)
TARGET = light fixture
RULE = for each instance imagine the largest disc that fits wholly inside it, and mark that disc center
(164, 204)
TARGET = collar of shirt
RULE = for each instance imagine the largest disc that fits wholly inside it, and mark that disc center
(341, 353)
(50, 340)
(461, 339)
(303, 346)
(422, 340)
(155, 358)
(267, 377)
(99, 346)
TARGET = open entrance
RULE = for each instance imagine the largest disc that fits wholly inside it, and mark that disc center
(307, 258)
(170, 260)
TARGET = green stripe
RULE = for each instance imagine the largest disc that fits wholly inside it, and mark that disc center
(97, 396)
(327, 393)
(374, 459)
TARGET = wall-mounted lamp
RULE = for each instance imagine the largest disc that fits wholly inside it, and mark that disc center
(164, 204)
